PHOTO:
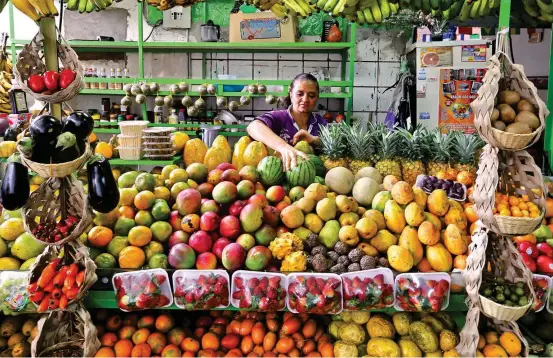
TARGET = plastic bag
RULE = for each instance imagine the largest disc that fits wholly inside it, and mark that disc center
(319, 293)
(369, 289)
(542, 286)
(417, 292)
(14, 298)
(142, 290)
(201, 289)
(265, 292)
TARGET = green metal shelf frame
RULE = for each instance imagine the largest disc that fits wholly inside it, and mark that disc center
(175, 160)
(343, 48)
(106, 299)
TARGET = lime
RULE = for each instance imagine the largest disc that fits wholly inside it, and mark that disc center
(93, 252)
(123, 226)
(177, 188)
(117, 244)
(153, 248)
(158, 261)
(105, 260)
(161, 230)
(161, 210)
(145, 181)
(144, 218)
(127, 180)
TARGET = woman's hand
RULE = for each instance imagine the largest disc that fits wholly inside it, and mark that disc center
(306, 136)
(288, 155)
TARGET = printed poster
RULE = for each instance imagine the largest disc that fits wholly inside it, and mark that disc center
(473, 53)
(436, 56)
(458, 88)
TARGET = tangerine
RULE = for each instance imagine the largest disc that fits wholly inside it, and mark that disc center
(131, 257)
(164, 323)
(171, 350)
(146, 322)
(144, 200)
(108, 339)
(105, 352)
(127, 195)
(189, 344)
(100, 236)
(140, 236)
(126, 332)
(162, 192)
(141, 336)
(141, 350)
(126, 211)
(104, 149)
(123, 348)
(210, 341)
(157, 342)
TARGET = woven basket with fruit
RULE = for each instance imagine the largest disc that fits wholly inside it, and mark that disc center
(49, 86)
(509, 114)
(66, 334)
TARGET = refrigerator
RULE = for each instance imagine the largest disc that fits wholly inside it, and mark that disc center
(448, 76)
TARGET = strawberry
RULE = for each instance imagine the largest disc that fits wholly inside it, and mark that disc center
(321, 301)
(328, 292)
(218, 289)
(264, 282)
(264, 304)
(253, 282)
(271, 293)
(163, 301)
(222, 280)
(379, 279)
(431, 283)
(144, 301)
(274, 282)
(334, 283)
(313, 291)
(237, 294)
(258, 291)
(189, 298)
(211, 280)
(414, 292)
(239, 282)
(151, 288)
(444, 285)
(159, 279)
(202, 280)
(311, 282)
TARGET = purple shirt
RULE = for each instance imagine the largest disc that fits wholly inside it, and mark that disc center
(283, 124)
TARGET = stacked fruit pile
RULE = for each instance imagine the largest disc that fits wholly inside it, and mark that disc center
(402, 335)
(18, 249)
(514, 114)
(221, 333)
(16, 335)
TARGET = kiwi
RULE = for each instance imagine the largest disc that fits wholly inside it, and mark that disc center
(509, 97)
(499, 125)
(506, 113)
(525, 105)
(495, 115)
(518, 128)
(529, 118)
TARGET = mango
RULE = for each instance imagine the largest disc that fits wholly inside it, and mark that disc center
(394, 216)
(410, 241)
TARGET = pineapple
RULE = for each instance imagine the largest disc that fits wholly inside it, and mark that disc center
(413, 149)
(359, 142)
(464, 151)
(440, 148)
(333, 146)
(387, 142)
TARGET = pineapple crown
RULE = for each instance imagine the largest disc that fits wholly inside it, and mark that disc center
(465, 147)
(385, 141)
(440, 145)
(333, 143)
(359, 141)
(414, 145)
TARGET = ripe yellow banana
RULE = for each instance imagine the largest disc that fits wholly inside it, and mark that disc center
(41, 7)
(26, 8)
(51, 7)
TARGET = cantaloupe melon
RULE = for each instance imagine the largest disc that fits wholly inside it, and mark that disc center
(340, 180)
(369, 172)
(364, 191)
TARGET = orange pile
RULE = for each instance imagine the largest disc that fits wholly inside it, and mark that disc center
(514, 206)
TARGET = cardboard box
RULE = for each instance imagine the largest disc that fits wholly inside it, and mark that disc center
(261, 27)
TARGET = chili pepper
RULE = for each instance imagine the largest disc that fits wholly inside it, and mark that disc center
(80, 278)
(70, 281)
(48, 273)
(56, 293)
(32, 288)
(59, 279)
(67, 77)
(49, 287)
(63, 302)
(43, 306)
(51, 80)
(72, 292)
(35, 297)
(64, 290)
(54, 303)
(73, 270)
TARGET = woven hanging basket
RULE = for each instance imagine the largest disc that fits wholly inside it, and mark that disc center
(513, 173)
(502, 75)
(73, 252)
(47, 206)
(30, 61)
(61, 332)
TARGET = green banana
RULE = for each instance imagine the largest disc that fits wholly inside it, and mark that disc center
(330, 4)
(339, 7)
(446, 14)
(545, 6)
(426, 8)
(384, 8)
(72, 4)
(351, 3)
(474, 10)
(533, 11)
(445, 4)
(456, 8)
(484, 9)
(320, 4)
(350, 11)
(361, 17)
(369, 18)
(465, 11)
(89, 6)
(82, 5)
(375, 11)
(394, 8)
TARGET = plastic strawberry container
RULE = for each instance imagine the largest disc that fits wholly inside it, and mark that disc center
(317, 293)
(420, 292)
(201, 289)
(368, 289)
(141, 290)
(259, 291)
(542, 288)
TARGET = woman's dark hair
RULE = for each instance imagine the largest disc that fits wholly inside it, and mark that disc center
(301, 77)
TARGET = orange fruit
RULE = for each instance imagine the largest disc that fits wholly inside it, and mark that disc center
(100, 236)
(471, 214)
(189, 344)
(113, 323)
(460, 262)
(327, 350)
(92, 137)
(505, 212)
(511, 343)
(146, 322)
(424, 265)
(186, 354)
(144, 200)
(164, 323)
(525, 213)
(126, 332)
(141, 336)
(176, 336)
(522, 205)
(123, 348)
(126, 211)
(513, 201)
(104, 149)
(171, 351)
(141, 350)
(210, 341)
(108, 339)
(140, 236)
(105, 352)
(157, 342)
(132, 257)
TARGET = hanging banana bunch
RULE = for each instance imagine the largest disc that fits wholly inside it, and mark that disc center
(36, 9)
(88, 5)
(6, 76)
(3, 5)
(540, 9)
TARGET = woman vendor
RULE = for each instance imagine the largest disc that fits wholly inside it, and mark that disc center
(282, 129)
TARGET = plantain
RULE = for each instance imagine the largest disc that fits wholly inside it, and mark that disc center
(330, 4)
(545, 6)
(445, 5)
(465, 11)
(320, 4)
(384, 8)
(41, 7)
(474, 10)
(426, 8)
(484, 8)
(26, 8)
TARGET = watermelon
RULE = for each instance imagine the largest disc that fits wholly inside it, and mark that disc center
(270, 171)
(318, 163)
(320, 180)
(302, 174)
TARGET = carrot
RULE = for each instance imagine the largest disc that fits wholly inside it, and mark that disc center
(63, 302)
(56, 293)
(36, 297)
(70, 281)
(48, 273)
(43, 306)
(72, 292)
(80, 278)
(59, 279)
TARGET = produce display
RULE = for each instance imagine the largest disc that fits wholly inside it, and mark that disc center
(314, 293)
(51, 81)
(196, 290)
(16, 335)
(422, 292)
(142, 290)
(512, 205)
(504, 292)
(536, 250)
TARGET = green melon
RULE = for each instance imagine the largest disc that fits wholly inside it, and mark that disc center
(270, 171)
(302, 174)
(318, 163)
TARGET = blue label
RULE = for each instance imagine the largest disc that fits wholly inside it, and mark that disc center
(424, 115)
(253, 29)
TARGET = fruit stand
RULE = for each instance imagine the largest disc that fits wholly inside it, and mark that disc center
(381, 242)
